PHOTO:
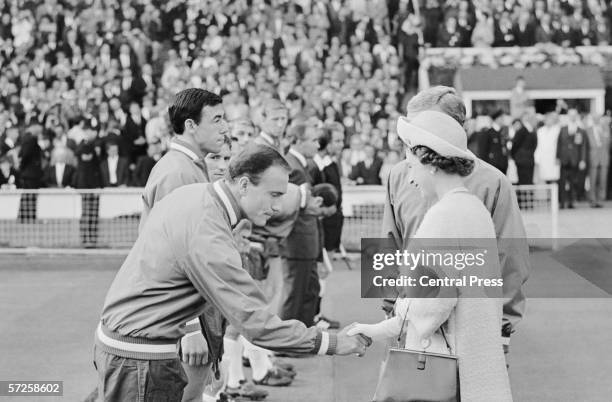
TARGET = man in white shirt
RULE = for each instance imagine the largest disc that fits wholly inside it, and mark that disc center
(60, 173)
(115, 169)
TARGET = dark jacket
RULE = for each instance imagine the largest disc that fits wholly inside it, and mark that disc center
(144, 165)
(303, 241)
(30, 168)
(123, 173)
(88, 168)
(130, 133)
(370, 175)
(332, 225)
(67, 179)
(524, 144)
(524, 37)
(494, 148)
(571, 149)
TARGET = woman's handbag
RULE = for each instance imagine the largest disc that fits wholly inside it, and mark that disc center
(417, 376)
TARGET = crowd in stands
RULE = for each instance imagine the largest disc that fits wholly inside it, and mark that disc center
(87, 76)
(462, 23)
(84, 85)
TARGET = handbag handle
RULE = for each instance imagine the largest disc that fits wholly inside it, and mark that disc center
(402, 332)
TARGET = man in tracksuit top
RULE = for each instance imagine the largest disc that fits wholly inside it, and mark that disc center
(197, 119)
(184, 259)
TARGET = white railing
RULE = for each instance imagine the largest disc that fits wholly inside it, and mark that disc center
(108, 218)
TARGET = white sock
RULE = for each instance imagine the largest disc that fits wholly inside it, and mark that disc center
(233, 354)
(260, 361)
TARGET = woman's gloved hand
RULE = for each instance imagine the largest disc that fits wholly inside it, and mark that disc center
(377, 332)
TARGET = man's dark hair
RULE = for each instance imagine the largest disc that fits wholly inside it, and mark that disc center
(327, 192)
(324, 139)
(188, 104)
(253, 161)
(497, 114)
(111, 143)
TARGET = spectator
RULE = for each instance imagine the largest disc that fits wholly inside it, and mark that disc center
(524, 144)
(432, 14)
(565, 35)
(449, 34)
(544, 31)
(8, 141)
(494, 149)
(88, 176)
(346, 167)
(60, 173)
(30, 157)
(586, 36)
(133, 134)
(504, 34)
(367, 172)
(8, 175)
(523, 30)
(598, 132)
(114, 170)
(545, 155)
(145, 164)
(390, 160)
(483, 34)
(519, 99)
(572, 155)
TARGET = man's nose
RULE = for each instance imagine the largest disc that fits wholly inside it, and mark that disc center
(224, 127)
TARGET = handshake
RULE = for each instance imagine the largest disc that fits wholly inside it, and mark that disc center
(351, 342)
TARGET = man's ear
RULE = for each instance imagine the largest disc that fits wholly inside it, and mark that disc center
(243, 185)
(189, 124)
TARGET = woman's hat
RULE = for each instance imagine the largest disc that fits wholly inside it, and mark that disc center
(437, 131)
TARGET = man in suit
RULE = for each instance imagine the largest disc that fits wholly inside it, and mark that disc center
(87, 176)
(30, 173)
(301, 248)
(133, 134)
(145, 164)
(114, 170)
(61, 173)
(332, 225)
(524, 30)
(524, 144)
(367, 171)
(572, 155)
(599, 159)
(494, 149)
(133, 88)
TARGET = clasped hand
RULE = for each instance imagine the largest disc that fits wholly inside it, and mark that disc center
(351, 344)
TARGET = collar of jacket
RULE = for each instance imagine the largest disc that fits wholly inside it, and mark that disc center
(299, 157)
(183, 146)
(194, 154)
(267, 138)
(229, 202)
(322, 161)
